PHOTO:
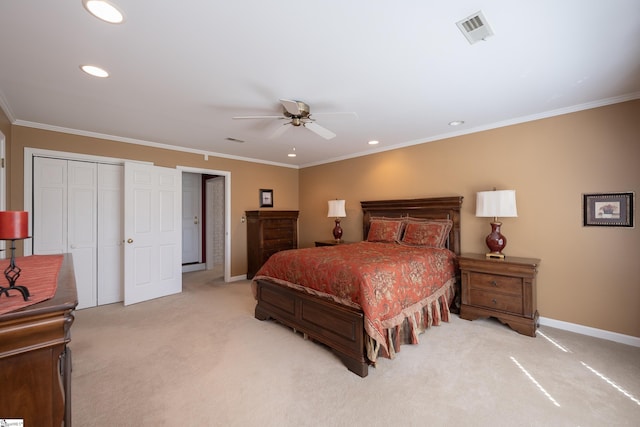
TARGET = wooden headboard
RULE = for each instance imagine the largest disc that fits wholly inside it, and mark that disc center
(430, 208)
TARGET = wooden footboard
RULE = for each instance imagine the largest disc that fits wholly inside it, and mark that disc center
(339, 327)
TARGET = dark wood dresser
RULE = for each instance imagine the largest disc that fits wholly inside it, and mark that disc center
(35, 363)
(500, 288)
(269, 232)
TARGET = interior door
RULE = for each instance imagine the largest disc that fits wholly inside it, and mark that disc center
(191, 218)
(152, 224)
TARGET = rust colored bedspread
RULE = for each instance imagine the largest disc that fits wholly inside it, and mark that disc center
(401, 290)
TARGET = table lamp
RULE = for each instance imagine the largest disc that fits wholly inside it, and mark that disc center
(496, 203)
(14, 225)
(336, 210)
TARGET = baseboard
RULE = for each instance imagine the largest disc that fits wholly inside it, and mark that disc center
(589, 331)
(238, 278)
(187, 268)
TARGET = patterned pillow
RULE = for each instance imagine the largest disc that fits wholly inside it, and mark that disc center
(384, 230)
(426, 233)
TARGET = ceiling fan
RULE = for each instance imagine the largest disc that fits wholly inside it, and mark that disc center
(298, 114)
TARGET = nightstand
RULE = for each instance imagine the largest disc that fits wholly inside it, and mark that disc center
(331, 243)
(500, 288)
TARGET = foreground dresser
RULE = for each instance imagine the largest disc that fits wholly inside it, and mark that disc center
(35, 363)
(269, 232)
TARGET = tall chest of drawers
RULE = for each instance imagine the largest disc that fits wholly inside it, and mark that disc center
(500, 288)
(269, 232)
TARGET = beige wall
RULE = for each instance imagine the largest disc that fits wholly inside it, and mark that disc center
(246, 178)
(588, 275)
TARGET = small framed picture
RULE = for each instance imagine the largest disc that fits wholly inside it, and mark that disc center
(266, 198)
(608, 209)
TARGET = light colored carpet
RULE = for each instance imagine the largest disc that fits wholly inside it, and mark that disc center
(200, 358)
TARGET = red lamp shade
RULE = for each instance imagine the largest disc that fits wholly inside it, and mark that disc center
(14, 225)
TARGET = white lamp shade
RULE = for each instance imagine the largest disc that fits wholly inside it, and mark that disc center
(497, 203)
(336, 209)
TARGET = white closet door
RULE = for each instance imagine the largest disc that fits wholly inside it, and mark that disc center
(152, 224)
(191, 218)
(82, 229)
(49, 206)
(110, 234)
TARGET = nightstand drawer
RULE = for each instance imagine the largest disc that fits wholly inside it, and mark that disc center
(496, 301)
(493, 282)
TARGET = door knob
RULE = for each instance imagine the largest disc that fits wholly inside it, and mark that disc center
(129, 240)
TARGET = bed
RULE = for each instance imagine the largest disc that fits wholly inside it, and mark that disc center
(346, 324)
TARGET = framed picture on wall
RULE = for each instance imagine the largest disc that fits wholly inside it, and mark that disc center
(608, 209)
(266, 198)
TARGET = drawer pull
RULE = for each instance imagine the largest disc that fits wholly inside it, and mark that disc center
(494, 283)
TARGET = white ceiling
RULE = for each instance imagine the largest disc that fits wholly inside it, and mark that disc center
(181, 70)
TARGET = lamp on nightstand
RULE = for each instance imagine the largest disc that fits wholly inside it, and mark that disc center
(496, 203)
(336, 210)
(14, 225)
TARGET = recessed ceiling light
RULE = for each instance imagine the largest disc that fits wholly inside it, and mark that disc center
(456, 123)
(374, 142)
(104, 10)
(94, 71)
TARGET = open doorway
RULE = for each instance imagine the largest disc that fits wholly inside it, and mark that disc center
(206, 216)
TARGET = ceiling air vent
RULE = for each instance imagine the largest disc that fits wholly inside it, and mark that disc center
(475, 27)
(231, 139)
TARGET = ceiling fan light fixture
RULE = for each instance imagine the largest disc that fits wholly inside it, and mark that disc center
(104, 10)
(94, 71)
(297, 114)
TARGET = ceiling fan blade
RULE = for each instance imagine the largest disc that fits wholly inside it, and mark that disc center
(325, 133)
(292, 107)
(280, 130)
(345, 114)
(257, 117)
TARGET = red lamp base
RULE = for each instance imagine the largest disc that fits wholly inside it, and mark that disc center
(337, 231)
(496, 241)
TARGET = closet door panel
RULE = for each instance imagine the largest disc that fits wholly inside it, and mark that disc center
(83, 233)
(50, 206)
(110, 233)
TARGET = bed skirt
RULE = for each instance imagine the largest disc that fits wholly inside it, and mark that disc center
(414, 320)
